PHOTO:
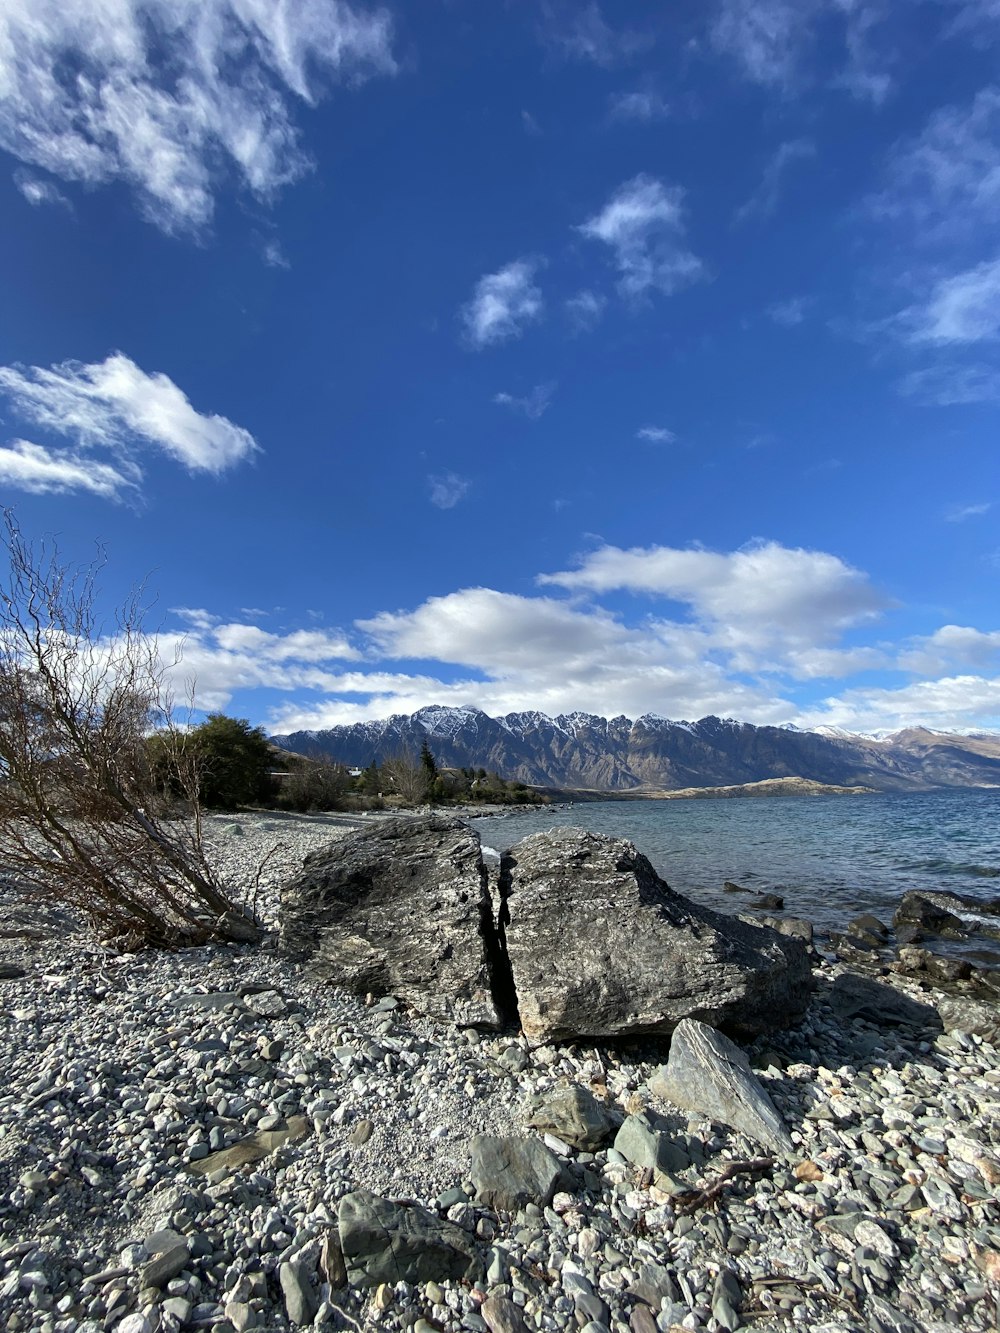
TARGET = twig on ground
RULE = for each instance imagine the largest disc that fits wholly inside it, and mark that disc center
(691, 1200)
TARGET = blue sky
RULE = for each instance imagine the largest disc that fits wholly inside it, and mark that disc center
(624, 358)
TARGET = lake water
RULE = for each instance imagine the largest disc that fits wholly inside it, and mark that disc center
(830, 857)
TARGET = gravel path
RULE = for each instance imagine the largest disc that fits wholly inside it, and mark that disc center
(124, 1076)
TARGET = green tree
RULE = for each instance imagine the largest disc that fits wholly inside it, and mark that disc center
(234, 762)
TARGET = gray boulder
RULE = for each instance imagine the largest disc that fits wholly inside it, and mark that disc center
(646, 1146)
(600, 946)
(511, 1172)
(400, 908)
(572, 1114)
(852, 996)
(706, 1074)
(388, 1242)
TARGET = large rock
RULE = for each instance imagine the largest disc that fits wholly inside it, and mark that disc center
(707, 1075)
(572, 1114)
(600, 946)
(511, 1172)
(400, 908)
(389, 1242)
(852, 996)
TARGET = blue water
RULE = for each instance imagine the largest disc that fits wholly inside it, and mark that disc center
(830, 857)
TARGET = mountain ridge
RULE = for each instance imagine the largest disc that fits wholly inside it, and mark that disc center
(620, 754)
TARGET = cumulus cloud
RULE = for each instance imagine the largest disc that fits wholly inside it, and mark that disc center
(446, 489)
(502, 304)
(173, 98)
(952, 703)
(113, 406)
(532, 405)
(953, 648)
(643, 224)
(750, 596)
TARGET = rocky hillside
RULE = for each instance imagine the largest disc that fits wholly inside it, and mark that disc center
(579, 750)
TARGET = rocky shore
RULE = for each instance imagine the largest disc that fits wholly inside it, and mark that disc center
(215, 1139)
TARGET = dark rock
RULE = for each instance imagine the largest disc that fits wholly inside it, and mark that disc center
(600, 946)
(254, 1148)
(501, 1315)
(401, 908)
(768, 902)
(906, 933)
(794, 926)
(706, 1074)
(572, 1114)
(868, 925)
(852, 996)
(928, 913)
(388, 1242)
(11, 971)
(729, 887)
(511, 1172)
(167, 1262)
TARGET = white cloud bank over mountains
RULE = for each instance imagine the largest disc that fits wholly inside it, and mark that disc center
(115, 407)
(752, 633)
(86, 95)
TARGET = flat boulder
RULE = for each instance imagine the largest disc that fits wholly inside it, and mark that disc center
(706, 1074)
(509, 1172)
(600, 946)
(400, 908)
(382, 1241)
(852, 996)
(572, 1114)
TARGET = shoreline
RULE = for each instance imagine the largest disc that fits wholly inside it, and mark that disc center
(124, 1072)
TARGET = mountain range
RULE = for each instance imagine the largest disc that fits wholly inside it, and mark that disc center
(579, 751)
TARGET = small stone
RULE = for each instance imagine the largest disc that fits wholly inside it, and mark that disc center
(301, 1302)
(361, 1133)
(501, 1315)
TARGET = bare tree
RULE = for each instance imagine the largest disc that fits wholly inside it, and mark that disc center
(83, 818)
(408, 778)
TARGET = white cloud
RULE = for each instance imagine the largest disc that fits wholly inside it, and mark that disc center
(952, 703)
(752, 597)
(643, 224)
(788, 313)
(30, 467)
(953, 648)
(534, 403)
(952, 385)
(502, 304)
(763, 203)
(585, 310)
(446, 489)
(959, 513)
(581, 32)
(945, 183)
(642, 106)
(38, 191)
(172, 98)
(655, 435)
(963, 308)
(114, 405)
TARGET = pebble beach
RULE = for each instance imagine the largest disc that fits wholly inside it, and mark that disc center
(177, 1131)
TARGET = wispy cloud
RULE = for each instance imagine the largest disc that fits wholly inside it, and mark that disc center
(949, 385)
(959, 513)
(963, 308)
(763, 203)
(580, 32)
(788, 313)
(39, 471)
(113, 406)
(643, 224)
(447, 489)
(642, 106)
(503, 303)
(533, 404)
(944, 184)
(175, 99)
(585, 310)
(655, 435)
(38, 191)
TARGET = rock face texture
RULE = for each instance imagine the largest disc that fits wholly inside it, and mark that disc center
(399, 909)
(707, 1075)
(383, 1241)
(600, 946)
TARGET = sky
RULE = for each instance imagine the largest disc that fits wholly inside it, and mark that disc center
(624, 358)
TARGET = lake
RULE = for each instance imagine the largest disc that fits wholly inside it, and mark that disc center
(831, 857)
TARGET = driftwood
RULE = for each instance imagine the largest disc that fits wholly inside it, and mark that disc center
(691, 1200)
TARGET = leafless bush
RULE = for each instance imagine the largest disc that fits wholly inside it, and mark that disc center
(83, 817)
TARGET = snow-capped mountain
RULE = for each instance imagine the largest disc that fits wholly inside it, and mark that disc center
(581, 750)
